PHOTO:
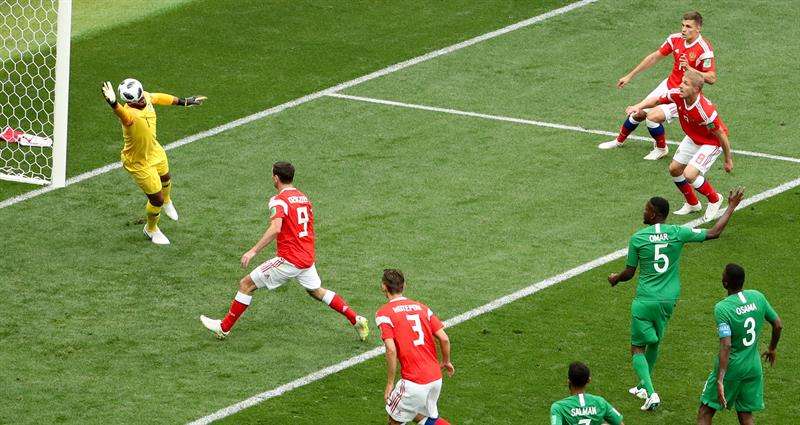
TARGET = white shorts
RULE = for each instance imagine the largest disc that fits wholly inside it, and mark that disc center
(409, 400)
(701, 157)
(276, 271)
(670, 109)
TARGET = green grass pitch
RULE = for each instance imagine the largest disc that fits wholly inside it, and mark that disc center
(99, 326)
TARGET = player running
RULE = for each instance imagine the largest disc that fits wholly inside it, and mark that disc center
(408, 328)
(656, 251)
(737, 378)
(706, 137)
(582, 408)
(142, 156)
(292, 227)
(689, 50)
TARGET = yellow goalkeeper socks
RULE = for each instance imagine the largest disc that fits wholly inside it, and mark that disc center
(166, 188)
(152, 216)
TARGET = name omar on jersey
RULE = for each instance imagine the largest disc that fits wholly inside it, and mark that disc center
(659, 237)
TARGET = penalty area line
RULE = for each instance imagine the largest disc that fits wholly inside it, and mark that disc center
(533, 122)
(316, 95)
(463, 317)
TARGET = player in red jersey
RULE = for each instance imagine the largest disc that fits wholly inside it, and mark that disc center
(408, 328)
(292, 226)
(706, 137)
(689, 50)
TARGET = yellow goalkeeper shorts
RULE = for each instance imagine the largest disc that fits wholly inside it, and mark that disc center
(148, 178)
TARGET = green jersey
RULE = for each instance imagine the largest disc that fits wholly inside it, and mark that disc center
(740, 316)
(584, 409)
(656, 252)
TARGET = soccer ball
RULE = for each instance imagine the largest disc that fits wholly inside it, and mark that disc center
(130, 90)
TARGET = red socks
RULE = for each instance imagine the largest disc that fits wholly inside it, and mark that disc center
(628, 126)
(238, 306)
(703, 186)
(686, 190)
(338, 303)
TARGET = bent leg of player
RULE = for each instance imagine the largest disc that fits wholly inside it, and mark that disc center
(654, 122)
(677, 167)
(431, 414)
(644, 325)
(750, 397)
(271, 274)
(695, 171)
(410, 401)
(166, 190)
(705, 414)
(746, 418)
(630, 124)
(309, 279)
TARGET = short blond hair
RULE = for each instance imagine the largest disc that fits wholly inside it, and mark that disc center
(695, 78)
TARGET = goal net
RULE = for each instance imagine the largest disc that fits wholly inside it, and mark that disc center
(34, 85)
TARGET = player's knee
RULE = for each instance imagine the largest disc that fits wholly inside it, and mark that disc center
(156, 199)
(675, 169)
(317, 294)
(247, 286)
(165, 178)
(691, 174)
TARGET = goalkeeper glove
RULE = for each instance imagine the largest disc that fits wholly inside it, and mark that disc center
(108, 93)
(192, 101)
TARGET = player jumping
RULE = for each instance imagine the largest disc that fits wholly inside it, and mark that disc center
(142, 156)
(656, 251)
(582, 408)
(737, 378)
(689, 50)
(408, 328)
(292, 226)
(706, 137)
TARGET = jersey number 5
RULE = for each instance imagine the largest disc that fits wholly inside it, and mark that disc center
(661, 257)
(416, 326)
(302, 219)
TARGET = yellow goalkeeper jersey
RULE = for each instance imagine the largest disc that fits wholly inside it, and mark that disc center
(139, 131)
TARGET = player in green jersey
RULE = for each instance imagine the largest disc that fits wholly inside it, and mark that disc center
(737, 380)
(655, 250)
(582, 408)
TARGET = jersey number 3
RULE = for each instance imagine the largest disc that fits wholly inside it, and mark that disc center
(302, 219)
(416, 326)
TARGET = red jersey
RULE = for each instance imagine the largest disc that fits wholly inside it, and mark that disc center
(296, 239)
(698, 119)
(698, 53)
(411, 325)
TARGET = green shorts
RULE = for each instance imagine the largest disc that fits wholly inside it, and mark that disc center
(742, 394)
(649, 321)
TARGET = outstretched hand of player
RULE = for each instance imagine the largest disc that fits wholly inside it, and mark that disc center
(728, 165)
(613, 279)
(108, 93)
(770, 356)
(721, 395)
(246, 257)
(735, 196)
(448, 368)
(622, 81)
(195, 100)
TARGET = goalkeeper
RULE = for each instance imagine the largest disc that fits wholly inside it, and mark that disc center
(142, 156)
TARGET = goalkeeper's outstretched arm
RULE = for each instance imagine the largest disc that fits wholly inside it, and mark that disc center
(168, 99)
(111, 98)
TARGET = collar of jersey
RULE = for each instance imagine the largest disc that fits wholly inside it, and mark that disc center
(697, 40)
(397, 299)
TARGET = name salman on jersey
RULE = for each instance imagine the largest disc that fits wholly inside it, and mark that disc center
(583, 411)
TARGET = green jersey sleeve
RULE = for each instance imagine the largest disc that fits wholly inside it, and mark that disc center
(612, 416)
(555, 415)
(633, 253)
(769, 312)
(686, 234)
(723, 323)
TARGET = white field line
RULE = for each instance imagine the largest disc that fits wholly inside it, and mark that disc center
(463, 317)
(316, 95)
(533, 122)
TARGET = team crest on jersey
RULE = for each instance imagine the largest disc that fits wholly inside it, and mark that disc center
(692, 56)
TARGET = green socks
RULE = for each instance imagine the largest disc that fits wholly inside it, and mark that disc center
(642, 370)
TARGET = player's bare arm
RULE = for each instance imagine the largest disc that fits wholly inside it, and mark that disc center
(638, 108)
(269, 235)
(724, 359)
(623, 276)
(644, 65)
(444, 344)
(734, 198)
(391, 366)
(771, 354)
(725, 143)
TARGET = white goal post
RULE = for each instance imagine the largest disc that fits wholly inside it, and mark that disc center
(34, 90)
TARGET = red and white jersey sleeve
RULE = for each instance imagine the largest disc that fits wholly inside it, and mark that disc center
(411, 325)
(296, 238)
(699, 55)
